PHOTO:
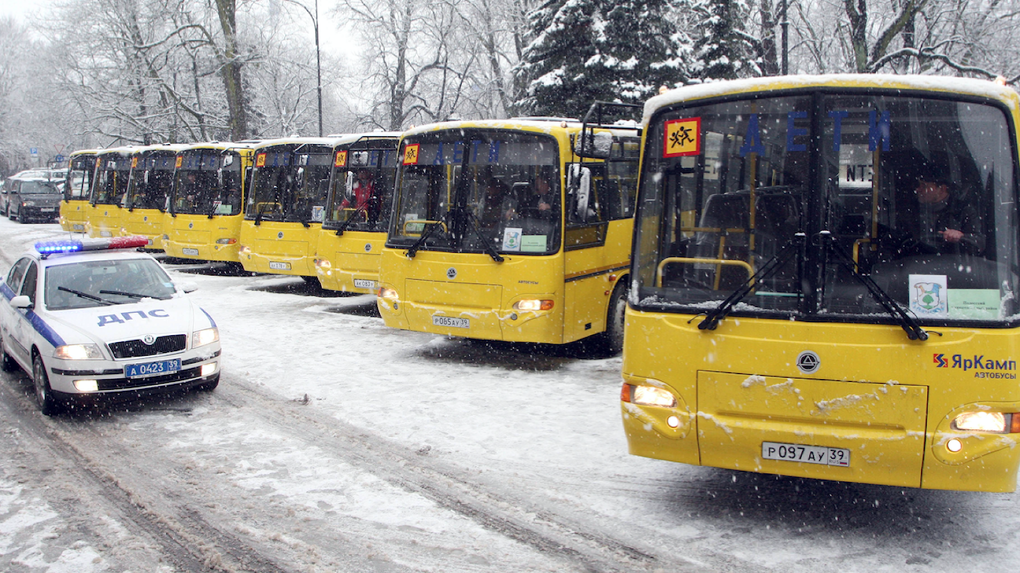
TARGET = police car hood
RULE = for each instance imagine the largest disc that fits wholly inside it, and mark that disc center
(114, 323)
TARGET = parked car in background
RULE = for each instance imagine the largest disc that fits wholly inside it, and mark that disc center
(34, 195)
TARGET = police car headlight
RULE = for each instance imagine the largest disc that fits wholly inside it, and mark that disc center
(78, 352)
(202, 337)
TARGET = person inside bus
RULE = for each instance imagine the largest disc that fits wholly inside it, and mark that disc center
(495, 209)
(539, 203)
(942, 219)
(365, 201)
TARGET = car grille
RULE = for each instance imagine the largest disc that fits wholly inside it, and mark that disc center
(136, 348)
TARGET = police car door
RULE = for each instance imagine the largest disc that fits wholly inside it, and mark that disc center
(22, 329)
(10, 317)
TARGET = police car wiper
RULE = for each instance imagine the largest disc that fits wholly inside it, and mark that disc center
(429, 229)
(489, 249)
(85, 295)
(785, 253)
(132, 294)
(906, 322)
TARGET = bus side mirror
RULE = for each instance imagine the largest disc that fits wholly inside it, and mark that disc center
(580, 183)
(593, 145)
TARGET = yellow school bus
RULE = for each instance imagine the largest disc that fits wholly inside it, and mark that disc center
(81, 169)
(145, 200)
(285, 206)
(501, 231)
(207, 200)
(825, 273)
(113, 172)
(357, 212)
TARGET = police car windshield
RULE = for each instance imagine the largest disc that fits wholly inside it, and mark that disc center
(100, 283)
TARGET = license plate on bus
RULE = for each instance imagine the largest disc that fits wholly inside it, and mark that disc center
(820, 455)
(451, 322)
(362, 283)
(78, 227)
(279, 266)
(152, 368)
(47, 209)
(190, 252)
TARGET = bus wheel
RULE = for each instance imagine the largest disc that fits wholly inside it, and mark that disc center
(610, 341)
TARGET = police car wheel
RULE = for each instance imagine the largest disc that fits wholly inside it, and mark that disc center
(43, 393)
(7, 363)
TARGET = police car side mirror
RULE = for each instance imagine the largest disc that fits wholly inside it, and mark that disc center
(21, 301)
(187, 287)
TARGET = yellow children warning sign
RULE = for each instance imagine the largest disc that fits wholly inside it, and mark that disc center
(682, 137)
(341, 159)
(260, 160)
(411, 154)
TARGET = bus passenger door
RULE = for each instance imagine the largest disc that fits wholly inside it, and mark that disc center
(586, 260)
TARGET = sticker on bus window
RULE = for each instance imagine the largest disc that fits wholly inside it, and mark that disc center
(411, 154)
(533, 244)
(134, 162)
(512, 239)
(341, 159)
(179, 162)
(318, 213)
(682, 137)
(928, 295)
(260, 160)
(974, 303)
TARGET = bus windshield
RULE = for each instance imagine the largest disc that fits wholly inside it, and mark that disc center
(291, 184)
(79, 178)
(850, 207)
(362, 189)
(208, 182)
(151, 181)
(474, 190)
(112, 176)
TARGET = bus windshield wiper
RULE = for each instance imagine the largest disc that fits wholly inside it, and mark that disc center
(347, 222)
(259, 212)
(85, 295)
(768, 269)
(429, 229)
(906, 322)
(472, 220)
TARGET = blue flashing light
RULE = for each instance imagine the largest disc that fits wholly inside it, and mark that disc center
(50, 247)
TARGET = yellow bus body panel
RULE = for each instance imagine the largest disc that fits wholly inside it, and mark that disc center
(103, 220)
(353, 257)
(474, 287)
(145, 222)
(197, 236)
(876, 393)
(73, 215)
(279, 247)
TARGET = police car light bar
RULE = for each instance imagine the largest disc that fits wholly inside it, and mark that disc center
(74, 245)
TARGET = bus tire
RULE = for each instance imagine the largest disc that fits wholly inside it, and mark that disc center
(610, 341)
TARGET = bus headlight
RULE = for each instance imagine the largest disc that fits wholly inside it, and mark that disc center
(78, 352)
(243, 250)
(323, 264)
(202, 337)
(647, 396)
(226, 241)
(984, 421)
(387, 293)
(533, 305)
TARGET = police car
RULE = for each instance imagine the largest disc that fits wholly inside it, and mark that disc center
(96, 318)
